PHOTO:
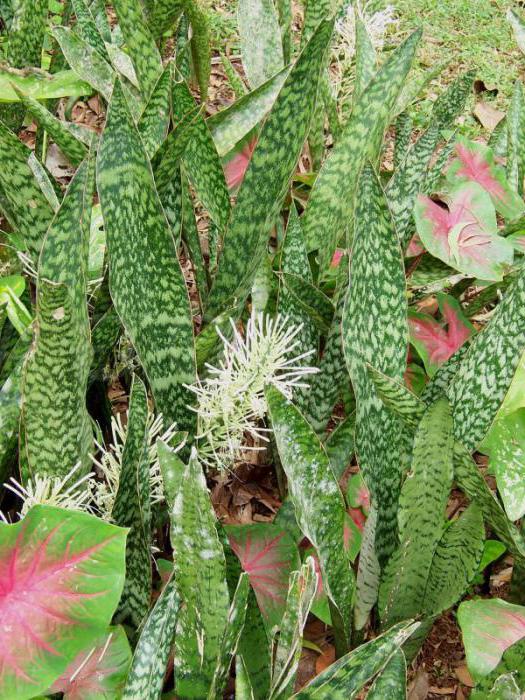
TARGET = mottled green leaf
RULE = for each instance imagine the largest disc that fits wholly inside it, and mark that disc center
(154, 121)
(316, 305)
(132, 508)
(286, 642)
(511, 662)
(451, 103)
(268, 175)
(318, 502)
(331, 202)
(315, 11)
(243, 685)
(87, 27)
(200, 43)
(403, 126)
(345, 678)
(397, 397)
(516, 139)
(104, 336)
(22, 201)
(70, 146)
(422, 505)
(254, 649)
(140, 43)
(41, 85)
(200, 575)
(57, 425)
(260, 40)
(148, 668)
(146, 281)
(231, 636)
(201, 159)
(10, 401)
(229, 126)
(455, 562)
(391, 682)
(406, 181)
(339, 445)
(26, 33)
(365, 59)
(372, 333)
(485, 373)
(165, 14)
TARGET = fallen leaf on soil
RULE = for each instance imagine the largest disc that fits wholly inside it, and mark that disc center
(464, 676)
(442, 691)
(326, 659)
(419, 687)
(487, 115)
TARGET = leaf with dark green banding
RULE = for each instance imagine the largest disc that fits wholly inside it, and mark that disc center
(318, 502)
(260, 40)
(403, 126)
(422, 505)
(57, 424)
(285, 14)
(255, 650)
(87, 27)
(486, 372)
(146, 281)
(331, 202)
(267, 178)
(229, 126)
(516, 139)
(140, 43)
(268, 555)
(132, 509)
(62, 576)
(10, 401)
(192, 240)
(345, 678)
(230, 640)
(22, 201)
(326, 385)
(365, 58)
(316, 305)
(391, 682)
(200, 43)
(489, 627)
(455, 562)
(438, 384)
(99, 671)
(315, 12)
(148, 668)
(104, 336)
(26, 33)
(339, 445)
(155, 119)
(451, 103)
(70, 146)
(243, 685)
(200, 576)
(286, 643)
(87, 63)
(376, 333)
(406, 182)
(164, 15)
(201, 159)
(397, 397)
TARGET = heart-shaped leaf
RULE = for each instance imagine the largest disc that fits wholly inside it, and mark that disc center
(463, 233)
(98, 672)
(475, 163)
(61, 576)
(268, 555)
(435, 342)
(489, 627)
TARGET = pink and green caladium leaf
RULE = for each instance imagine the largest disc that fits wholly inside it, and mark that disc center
(475, 163)
(436, 342)
(489, 627)
(518, 242)
(268, 555)
(61, 577)
(464, 232)
(98, 672)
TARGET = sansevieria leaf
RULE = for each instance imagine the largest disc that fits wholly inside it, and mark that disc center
(372, 333)
(391, 682)
(319, 511)
(332, 199)
(146, 281)
(260, 40)
(132, 508)
(268, 175)
(57, 429)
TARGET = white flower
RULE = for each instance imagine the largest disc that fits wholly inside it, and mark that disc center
(53, 491)
(231, 401)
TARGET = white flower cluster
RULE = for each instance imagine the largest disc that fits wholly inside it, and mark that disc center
(231, 402)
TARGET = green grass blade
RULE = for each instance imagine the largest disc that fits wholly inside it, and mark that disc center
(267, 178)
(145, 275)
(260, 40)
(372, 333)
(320, 512)
(331, 202)
(148, 667)
(200, 574)
(56, 423)
(132, 509)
